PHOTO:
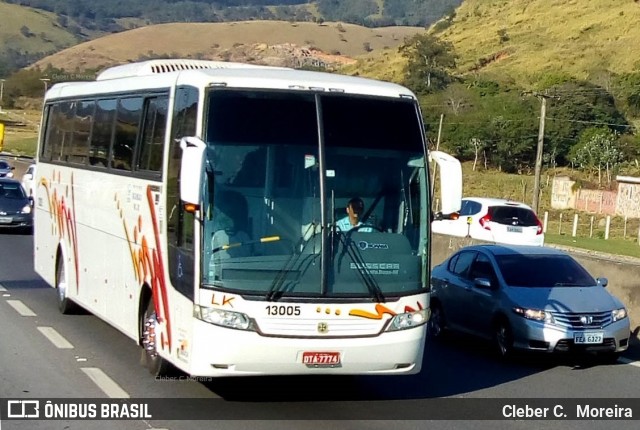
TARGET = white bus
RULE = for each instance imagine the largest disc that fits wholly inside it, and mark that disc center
(193, 205)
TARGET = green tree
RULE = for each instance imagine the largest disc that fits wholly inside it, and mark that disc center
(598, 151)
(430, 63)
(576, 106)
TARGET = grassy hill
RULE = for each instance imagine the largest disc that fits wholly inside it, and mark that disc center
(523, 40)
(252, 39)
(41, 33)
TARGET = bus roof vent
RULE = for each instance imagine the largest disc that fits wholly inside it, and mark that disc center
(153, 67)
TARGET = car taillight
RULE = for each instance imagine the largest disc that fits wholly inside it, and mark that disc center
(539, 231)
(485, 220)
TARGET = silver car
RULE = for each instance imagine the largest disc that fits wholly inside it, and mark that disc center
(15, 206)
(6, 169)
(527, 298)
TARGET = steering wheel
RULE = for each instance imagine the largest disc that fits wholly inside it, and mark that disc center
(373, 227)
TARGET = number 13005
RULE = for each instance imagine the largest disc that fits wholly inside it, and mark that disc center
(283, 310)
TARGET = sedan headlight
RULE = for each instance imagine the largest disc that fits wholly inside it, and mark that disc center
(10, 175)
(534, 314)
(618, 314)
(409, 320)
(223, 318)
(26, 209)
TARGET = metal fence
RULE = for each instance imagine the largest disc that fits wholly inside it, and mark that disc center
(581, 224)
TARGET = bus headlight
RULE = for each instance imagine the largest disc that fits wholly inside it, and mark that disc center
(409, 320)
(223, 318)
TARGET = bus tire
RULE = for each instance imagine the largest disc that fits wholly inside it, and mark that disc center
(150, 358)
(65, 305)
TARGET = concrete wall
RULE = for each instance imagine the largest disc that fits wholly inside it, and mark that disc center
(623, 202)
(623, 273)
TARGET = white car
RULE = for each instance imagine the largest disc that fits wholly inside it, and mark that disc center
(28, 180)
(493, 220)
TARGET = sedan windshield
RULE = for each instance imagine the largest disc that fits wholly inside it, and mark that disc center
(12, 191)
(544, 271)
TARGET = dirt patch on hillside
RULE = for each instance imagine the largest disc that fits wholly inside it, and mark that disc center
(262, 42)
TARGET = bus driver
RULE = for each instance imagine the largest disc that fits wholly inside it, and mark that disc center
(355, 208)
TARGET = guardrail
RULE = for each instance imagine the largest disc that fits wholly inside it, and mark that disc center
(14, 156)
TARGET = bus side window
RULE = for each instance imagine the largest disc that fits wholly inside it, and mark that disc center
(153, 134)
(126, 135)
(102, 132)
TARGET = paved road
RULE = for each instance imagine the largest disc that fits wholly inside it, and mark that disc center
(47, 355)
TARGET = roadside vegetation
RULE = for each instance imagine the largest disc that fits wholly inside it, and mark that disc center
(485, 75)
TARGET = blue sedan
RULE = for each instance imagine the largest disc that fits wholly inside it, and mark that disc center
(527, 298)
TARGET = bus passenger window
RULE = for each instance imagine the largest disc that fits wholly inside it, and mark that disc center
(127, 125)
(152, 141)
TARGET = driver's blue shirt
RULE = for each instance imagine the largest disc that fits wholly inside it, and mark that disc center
(345, 225)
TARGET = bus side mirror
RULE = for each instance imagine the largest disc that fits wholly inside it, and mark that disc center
(450, 181)
(191, 169)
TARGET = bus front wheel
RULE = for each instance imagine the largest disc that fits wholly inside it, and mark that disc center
(156, 365)
(65, 305)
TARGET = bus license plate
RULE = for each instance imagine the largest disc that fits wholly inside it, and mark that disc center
(321, 358)
(588, 337)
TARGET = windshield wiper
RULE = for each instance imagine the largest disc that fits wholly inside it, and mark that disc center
(251, 242)
(369, 281)
(569, 284)
(275, 288)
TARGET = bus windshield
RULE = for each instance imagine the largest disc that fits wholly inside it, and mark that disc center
(276, 160)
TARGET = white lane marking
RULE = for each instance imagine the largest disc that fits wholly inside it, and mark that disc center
(21, 308)
(55, 338)
(629, 361)
(2, 288)
(105, 383)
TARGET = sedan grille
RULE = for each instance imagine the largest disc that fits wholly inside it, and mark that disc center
(583, 320)
(567, 345)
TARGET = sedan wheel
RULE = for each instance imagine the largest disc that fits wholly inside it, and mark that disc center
(436, 323)
(504, 339)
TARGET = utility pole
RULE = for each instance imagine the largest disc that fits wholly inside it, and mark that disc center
(435, 166)
(539, 151)
(1, 92)
(45, 81)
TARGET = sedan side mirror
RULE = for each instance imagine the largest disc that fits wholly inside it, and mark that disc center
(484, 283)
(602, 281)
